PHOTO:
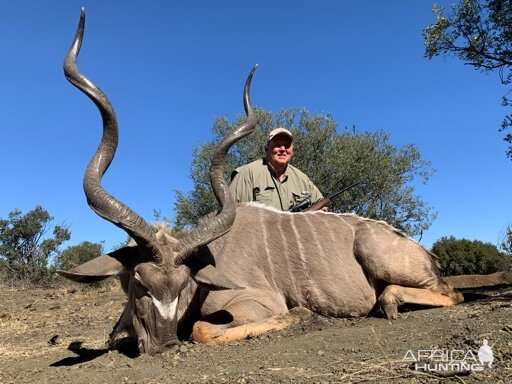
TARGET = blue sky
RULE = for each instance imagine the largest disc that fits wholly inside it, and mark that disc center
(170, 68)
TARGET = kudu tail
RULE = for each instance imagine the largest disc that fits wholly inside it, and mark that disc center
(479, 281)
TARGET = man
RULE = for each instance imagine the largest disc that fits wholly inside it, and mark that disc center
(272, 180)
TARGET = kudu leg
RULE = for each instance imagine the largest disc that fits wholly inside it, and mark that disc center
(123, 324)
(209, 333)
(250, 314)
(441, 295)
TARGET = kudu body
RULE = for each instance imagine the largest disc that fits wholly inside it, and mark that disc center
(238, 273)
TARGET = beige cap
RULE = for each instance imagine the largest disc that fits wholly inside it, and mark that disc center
(277, 132)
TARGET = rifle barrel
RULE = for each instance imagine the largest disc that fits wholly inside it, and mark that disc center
(344, 189)
(323, 202)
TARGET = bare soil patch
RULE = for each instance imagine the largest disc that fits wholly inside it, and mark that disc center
(58, 336)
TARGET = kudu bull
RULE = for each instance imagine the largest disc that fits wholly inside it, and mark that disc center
(238, 273)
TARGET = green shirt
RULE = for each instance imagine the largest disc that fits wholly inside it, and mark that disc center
(256, 182)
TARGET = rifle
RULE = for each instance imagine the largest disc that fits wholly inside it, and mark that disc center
(307, 206)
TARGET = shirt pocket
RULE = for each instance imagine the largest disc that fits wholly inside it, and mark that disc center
(265, 196)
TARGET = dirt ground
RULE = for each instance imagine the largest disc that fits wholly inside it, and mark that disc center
(58, 336)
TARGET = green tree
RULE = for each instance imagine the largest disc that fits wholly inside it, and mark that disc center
(332, 159)
(26, 248)
(478, 32)
(78, 254)
(506, 241)
(461, 257)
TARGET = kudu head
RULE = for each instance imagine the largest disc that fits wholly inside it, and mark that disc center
(156, 266)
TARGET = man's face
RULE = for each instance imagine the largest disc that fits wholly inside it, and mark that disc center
(279, 151)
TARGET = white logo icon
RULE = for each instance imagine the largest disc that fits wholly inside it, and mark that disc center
(485, 354)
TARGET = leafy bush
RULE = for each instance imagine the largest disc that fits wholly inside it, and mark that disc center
(506, 241)
(26, 249)
(461, 257)
(79, 254)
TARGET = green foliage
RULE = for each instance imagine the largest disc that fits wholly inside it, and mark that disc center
(478, 32)
(79, 254)
(25, 248)
(461, 257)
(332, 159)
(506, 241)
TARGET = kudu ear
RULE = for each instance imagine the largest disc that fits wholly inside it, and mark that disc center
(104, 266)
(212, 279)
(97, 269)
